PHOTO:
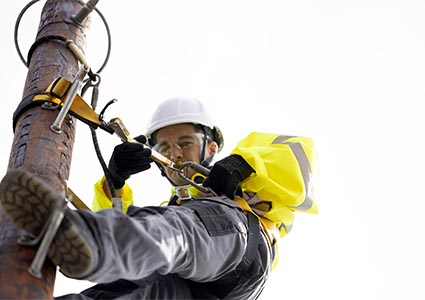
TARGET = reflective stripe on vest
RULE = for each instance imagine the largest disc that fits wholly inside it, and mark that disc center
(304, 164)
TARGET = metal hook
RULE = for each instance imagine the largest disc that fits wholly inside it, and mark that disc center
(106, 106)
(91, 83)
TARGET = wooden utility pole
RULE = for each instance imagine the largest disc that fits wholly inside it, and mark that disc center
(36, 147)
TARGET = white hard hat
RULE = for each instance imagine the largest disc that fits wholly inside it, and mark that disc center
(183, 110)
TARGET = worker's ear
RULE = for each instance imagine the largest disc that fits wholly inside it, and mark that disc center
(212, 148)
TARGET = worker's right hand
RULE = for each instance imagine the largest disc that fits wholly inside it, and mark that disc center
(126, 160)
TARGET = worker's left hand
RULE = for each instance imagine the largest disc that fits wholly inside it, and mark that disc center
(227, 174)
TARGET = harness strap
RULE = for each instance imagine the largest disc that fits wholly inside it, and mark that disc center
(269, 227)
(252, 243)
(204, 290)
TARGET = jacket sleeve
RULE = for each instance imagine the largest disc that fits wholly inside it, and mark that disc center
(283, 179)
(101, 200)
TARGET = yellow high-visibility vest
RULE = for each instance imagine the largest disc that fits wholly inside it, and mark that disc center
(283, 182)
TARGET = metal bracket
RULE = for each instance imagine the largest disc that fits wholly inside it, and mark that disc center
(46, 236)
(182, 192)
(69, 99)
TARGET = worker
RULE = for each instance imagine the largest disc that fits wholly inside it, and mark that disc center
(200, 246)
(216, 238)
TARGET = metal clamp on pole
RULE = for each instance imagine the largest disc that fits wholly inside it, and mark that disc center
(69, 99)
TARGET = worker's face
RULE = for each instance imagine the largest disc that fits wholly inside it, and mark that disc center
(181, 143)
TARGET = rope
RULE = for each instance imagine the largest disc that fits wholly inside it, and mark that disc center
(94, 98)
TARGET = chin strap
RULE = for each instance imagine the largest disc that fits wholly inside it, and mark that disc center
(205, 162)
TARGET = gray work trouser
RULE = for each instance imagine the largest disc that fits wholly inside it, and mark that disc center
(172, 252)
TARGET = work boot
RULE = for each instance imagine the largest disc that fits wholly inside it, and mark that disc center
(29, 202)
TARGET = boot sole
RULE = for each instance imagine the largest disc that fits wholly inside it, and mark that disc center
(29, 202)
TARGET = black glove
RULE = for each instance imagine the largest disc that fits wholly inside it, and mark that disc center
(128, 159)
(227, 174)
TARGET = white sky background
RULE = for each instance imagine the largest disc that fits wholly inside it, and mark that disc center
(350, 74)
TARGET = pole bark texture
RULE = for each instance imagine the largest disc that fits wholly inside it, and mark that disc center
(37, 148)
